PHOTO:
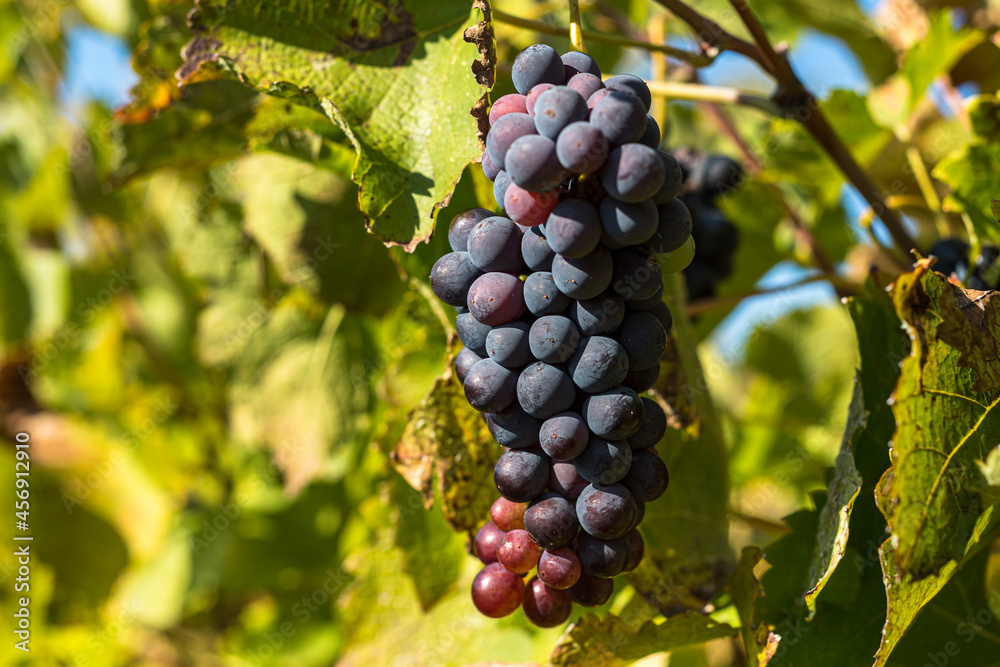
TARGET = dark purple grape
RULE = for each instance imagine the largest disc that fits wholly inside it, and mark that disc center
(507, 515)
(490, 170)
(529, 208)
(603, 461)
(636, 548)
(599, 364)
(575, 62)
(640, 381)
(507, 130)
(463, 224)
(512, 103)
(487, 542)
(647, 479)
(521, 474)
(643, 338)
(472, 332)
(513, 427)
(500, 185)
(600, 315)
(632, 85)
(544, 606)
(662, 313)
(551, 521)
(583, 277)
(649, 302)
(628, 224)
(615, 414)
(673, 179)
(564, 436)
(673, 227)
(718, 174)
(640, 514)
(544, 390)
(553, 339)
(605, 558)
(495, 245)
(581, 148)
(533, 94)
(464, 361)
(651, 137)
(605, 511)
(508, 345)
(714, 236)
(496, 592)
(556, 108)
(573, 228)
(590, 591)
(636, 274)
(653, 426)
(633, 173)
(532, 163)
(542, 297)
(597, 97)
(536, 252)
(496, 298)
(518, 552)
(585, 84)
(619, 116)
(566, 481)
(489, 387)
(453, 276)
(559, 568)
(539, 63)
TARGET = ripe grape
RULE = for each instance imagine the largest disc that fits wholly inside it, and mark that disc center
(489, 387)
(573, 228)
(536, 252)
(500, 185)
(591, 591)
(495, 245)
(490, 170)
(487, 542)
(636, 548)
(604, 558)
(627, 223)
(513, 103)
(647, 479)
(715, 235)
(636, 274)
(539, 63)
(599, 364)
(551, 521)
(462, 225)
(620, 117)
(564, 436)
(544, 606)
(559, 568)
(596, 97)
(615, 414)
(553, 339)
(496, 298)
(508, 345)
(605, 511)
(649, 302)
(662, 312)
(556, 108)
(632, 85)
(496, 592)
(533, 165)
(653, 426)
(464, 361)
(533, 94)
(716, 175)
(651, 137)
(575, 62)
(529, 208)
(599, 315)
(472, 332)
(507, 515)
(585, 84)
(673, 179)
(541, 295)
(633, 173)
(452, 277)
(501, 136)
(518, 552)
(673, 227)
(565, 480)
(640, 381)
(583, 277)
(513, 427)
(640, 513)
(544, 390)
(581, 148)
(521, 474)
(603, 461)
(643, 338)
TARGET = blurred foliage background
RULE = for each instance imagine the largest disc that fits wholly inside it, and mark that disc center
(215, 359)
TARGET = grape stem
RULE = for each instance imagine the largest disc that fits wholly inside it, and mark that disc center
(793, 98)
(698, 92)
(696, 59)
(575, 27)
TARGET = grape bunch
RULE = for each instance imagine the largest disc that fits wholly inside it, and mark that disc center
(563, 326)
(953, 257)
(715, 237)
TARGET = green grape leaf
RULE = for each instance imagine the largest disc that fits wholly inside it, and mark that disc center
(947, 416)
(745, 589)
(936, 53)
(396, 79)
(971, 174)
(610, 642)
(445, 437)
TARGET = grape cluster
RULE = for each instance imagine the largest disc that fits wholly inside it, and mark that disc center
(715, 237)
(563, 326)
(953, 257)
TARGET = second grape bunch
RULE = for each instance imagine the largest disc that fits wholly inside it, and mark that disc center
(563, 326)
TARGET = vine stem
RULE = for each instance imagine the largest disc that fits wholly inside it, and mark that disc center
(575, 27)
(696, 59)
(698, 92)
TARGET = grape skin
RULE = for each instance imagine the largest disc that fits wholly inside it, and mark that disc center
(643, 338)
(508, 345)
(508, 129)
(620, 118)
(653, 426)
(559, 568)
(615, 414)
(487, 542)
(496, 298)
(489, 387)
(585, 84)
(640, 381)
(605, 511)
(631, 85)
(497, 592)
(553, 339)
(512, 103)
(507, 515)
(452, 277)
(662, 313)
(604, 558)
(536, 253)
(539, 63)
(461, 226)
(500, 185)
(529, 208)
(603, 461)
(495, 245)
(628, 223)
(556, 108)
(648, 478)
(521, 474)
(591, 591)
(636, 548)
(651, 137)
(564, 436)
(673, 227)
(565, 480)
(636, 274)
(544, 390)
(575, 62)
(599, 315)
(581, 148)
(650, 302)
(532, 163)
(544, 606)
(518, 552)
(583, 277)
(534, 93)
(573, 228)
(599, 364)
(633, 173)
(673, 179)
(490, 170)
(513, 427)
(464, 361)
(472, 332)
(541, 295)
(551, 521)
